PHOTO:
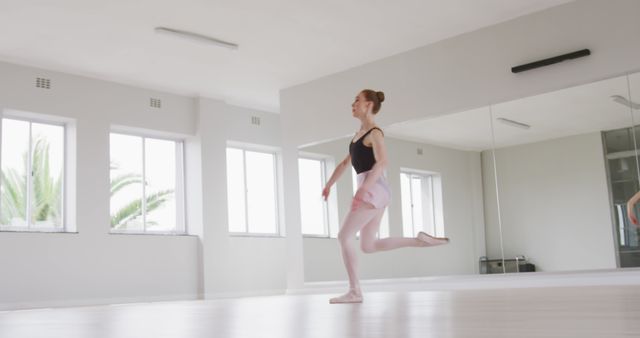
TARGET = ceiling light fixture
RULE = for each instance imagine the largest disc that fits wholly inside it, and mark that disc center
(514, 123)
(196, 37)
(623, 101)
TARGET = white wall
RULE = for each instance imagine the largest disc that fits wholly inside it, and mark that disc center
(554, 203)
(235, 265)
(463, 217)
(91, 266)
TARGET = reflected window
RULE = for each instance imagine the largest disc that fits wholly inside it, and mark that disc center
(31, 187)
(421, 194)
(384, 222)
(146, 184)
(251, 191)
(314, 211)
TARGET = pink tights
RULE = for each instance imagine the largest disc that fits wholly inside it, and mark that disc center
(366, 219)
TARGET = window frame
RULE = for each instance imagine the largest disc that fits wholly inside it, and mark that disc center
(182, 228)
(31, 119)
(326, 213)
(275, 152)
(435, 199)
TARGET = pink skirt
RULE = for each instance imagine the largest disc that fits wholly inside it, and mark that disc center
(379, 195)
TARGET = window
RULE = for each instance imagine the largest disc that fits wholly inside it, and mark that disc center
(421, 203)
(251, 192)
(314, 211)
(384, 222)
(146, 185)
(33, 173)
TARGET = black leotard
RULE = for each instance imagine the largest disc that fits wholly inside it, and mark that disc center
(362, 157)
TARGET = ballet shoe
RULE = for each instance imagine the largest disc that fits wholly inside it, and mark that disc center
(430, 240)
(350, 297)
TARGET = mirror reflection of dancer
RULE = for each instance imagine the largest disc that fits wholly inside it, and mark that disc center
(368, 155)
(631, 207)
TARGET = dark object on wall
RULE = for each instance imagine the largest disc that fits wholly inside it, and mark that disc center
(550, 61)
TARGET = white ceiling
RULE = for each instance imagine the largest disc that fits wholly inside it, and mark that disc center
(282, 43)
(573, 111)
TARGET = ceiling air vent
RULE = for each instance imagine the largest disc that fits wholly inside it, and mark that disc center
(43, 83)
(255, 120)
(155, 103)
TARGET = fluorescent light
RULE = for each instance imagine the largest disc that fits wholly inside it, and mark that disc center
(513, 123)
(196, 37)
(623, 101)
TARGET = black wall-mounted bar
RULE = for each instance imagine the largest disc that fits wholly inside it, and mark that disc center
(550, 61)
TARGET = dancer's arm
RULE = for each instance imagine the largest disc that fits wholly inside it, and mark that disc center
(380, 154)
(631, 208)
(340, 168)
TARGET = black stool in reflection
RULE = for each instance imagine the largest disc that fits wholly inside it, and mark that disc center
(517, 264)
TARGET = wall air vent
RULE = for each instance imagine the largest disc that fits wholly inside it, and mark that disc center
(155, 103)
(43, 83)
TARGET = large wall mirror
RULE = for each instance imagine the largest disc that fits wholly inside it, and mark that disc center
(566, 165)
(535, 184)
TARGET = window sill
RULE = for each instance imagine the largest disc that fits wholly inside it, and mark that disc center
(149, 233)
(36, 231)
(318, 237)
(243, 234)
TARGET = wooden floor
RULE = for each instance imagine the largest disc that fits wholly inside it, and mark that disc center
(603, 312)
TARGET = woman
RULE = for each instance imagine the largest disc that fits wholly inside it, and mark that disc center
(368, 155)
(631, 207)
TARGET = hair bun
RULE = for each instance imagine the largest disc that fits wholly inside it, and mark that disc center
(380, 96)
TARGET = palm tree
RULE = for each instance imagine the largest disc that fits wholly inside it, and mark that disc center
(46, 194)
(13, 200)
(46, 190)
(46, 202)
(133, 208)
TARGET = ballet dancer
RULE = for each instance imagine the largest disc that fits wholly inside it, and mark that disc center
(631, 208)
(368, 155)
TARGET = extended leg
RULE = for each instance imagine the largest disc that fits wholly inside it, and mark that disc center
(369, 243)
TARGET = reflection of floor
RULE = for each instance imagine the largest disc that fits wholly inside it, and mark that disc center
(594, 311)
(627, 276)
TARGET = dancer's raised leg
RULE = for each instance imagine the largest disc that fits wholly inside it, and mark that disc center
(370, 243)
